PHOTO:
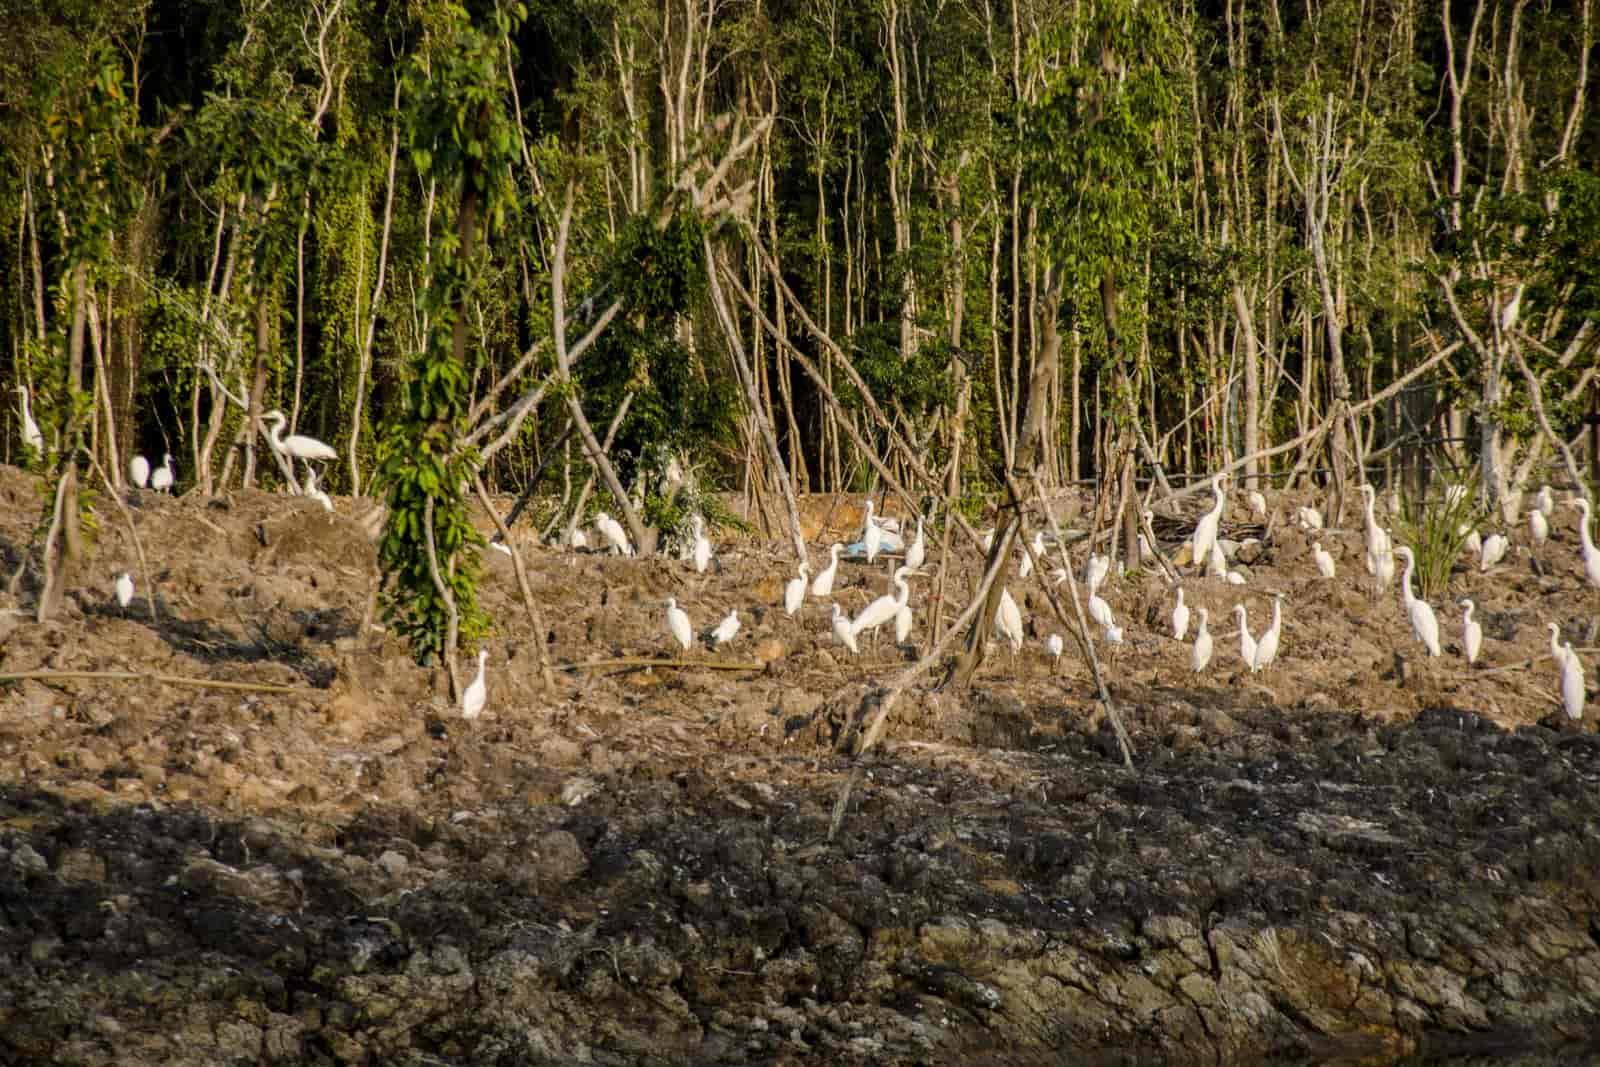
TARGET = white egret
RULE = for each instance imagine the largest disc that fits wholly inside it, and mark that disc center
(884, 608)
(726, 629)
(1247, 644)
(1494, 550)
(496, 544)
(871, 535)
(1383, 566)
(1217, 563)
(1100, 611)
(700, 555)
(1180, 617)
(1538, 526)
(1310, 518)
(124, 589)
(476, 694)
(1008, 621)
(1258, 503)
(842, 631)
(822, 584)
(296, 446)
(327, 502)
(161, 477)
(1235, 578)
(1026, 567)
(1377, 539)
(611, 530)
(1205, 531)
(1113, 635)
(1423, 623)
(1473, 542)
(903, 619)
(678, 624)
(1547, 500)
(1267, 646)
(1200, 655)
(918, 552)
(1471, 632)
(579, 539)
(1591, 555)
(1571, 668)
(139, 471)
(1054, 646)
(794, 594)
(1325, 564)
(1097, 570)
(30, 429)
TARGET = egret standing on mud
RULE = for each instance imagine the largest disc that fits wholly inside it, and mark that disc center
(1267, 647)
(476, 694)
(727, 629)
(794, 594)
(1471, 633)
(918, 550)
(30, 429)
(884, 608)
(678, 624)
(1571, 668)
(1205, 531)
(1201, 654)
(1008, 621)
(872, 535)
(842, 631)
(1180, 617)
(124, 589)
(612, 531)
(139, 471)
(1325, 564)
(822, 584)
(1247, 643)
(161, 477)
(701, 553)
(1423, 622)
(1591, 555)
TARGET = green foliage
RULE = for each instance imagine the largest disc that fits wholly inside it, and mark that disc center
(1436, 529)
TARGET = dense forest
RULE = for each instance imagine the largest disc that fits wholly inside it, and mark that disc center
(627, 253)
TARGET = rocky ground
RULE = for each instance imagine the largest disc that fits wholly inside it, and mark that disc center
(1360, 854)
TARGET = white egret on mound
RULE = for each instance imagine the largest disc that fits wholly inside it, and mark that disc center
(1247, 644)
(1473, 542)
(327, 502)
(700, 555)
(1180, 617)
(1325, 564)
(726, 629)
(30, 429)
(918, 550)
(1100, 611)
(1377, 538)
(884, 608)
(1235, 578)
(1547, 500)
(1205, 531)
(841, 629)
(579, 539)
(1591, 555)
(295, 446)
(1026, 567)
(1310, 518)
(1267, 646)
(1097, 570)
(794, 594)
(678, 624)
(822, 584)
(139, 471)
(1200, 654)
(1258, 503)
(1494, 550)
(1423, 623)
(161, 477)
(1008, 621)
(611, 530)
(1113, 635)
(1538, 526)
(1054, 646)
(124, 589)
(871, 535)
(476, 694)
(1471, 632)
(1572, 680)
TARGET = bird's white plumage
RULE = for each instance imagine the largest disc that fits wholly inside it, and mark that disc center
(1572, 683)
(1095, 573)
(1205, 531)
(30, 429)
(1473, 542)
(1180, 617)
(1025, 568)
(1591, 555)
(161, 478)
(297, 445)
(794, 594)
(1325, 565)
(903, 620)
(700, 555)
(883, 609)
(822, 584)
(1008, 621)
(1258, 503)
(327, 502)
(124, 589)
(727, 629)
(918, 552)
(842, 631)
(1247, 643)
(1494, 550)
(476, 694)
(1100, 611)
(579, 539)
(1217, 561)
(678, 624)
(1471, 632)
(139, 471)
(1235, 578)
(613, 533)
(1267, 646)
(1310, 518)
(871, 535)
(1538, 526)
(1423, 623)
(1547, 500)
(1377, 539)
(1113, 635)
(1200, 654)
(1054, 646)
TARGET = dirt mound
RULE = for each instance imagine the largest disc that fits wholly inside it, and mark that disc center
(252, 829)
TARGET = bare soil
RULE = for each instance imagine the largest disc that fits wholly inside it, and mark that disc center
(1360, 853)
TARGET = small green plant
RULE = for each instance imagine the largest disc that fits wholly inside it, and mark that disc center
(1436, 528)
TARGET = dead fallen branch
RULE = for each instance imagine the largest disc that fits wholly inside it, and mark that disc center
(646, 661)
(153, 676)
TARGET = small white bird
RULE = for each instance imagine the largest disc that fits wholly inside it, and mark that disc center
(1267, 646)
(701, 554)
(1572, 680)
(476, 694)
(1180, 617)
(1377, 538)
(903, 620)
(871, 534)
(1325, 564)
(726, 629)
(1423, 623)
(1591, 555)
(794, 594)
(1473, 542)
(1217, 563)
(1100, 611)
(1235, 578)
(139, 471)
(1258, 503)
(30, 429)
(1205, 531)
(1026, 567)
(842, 631)
(1471, 632)
(124, 589)
(1113, 635)
(579, 539)
(296, 446)
(1008, 621)
(161, 477)
(822, 584)
(1200, 654)
(1247, 643)
(1538, 526)
(884, 608)
(678, 624)
(327, 502)
(1054, 646)
(1310, 518)
(1493, 551)
(611, 530)
(1095, 573)
(1547, 500)
(496, 544)
(918, 552)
